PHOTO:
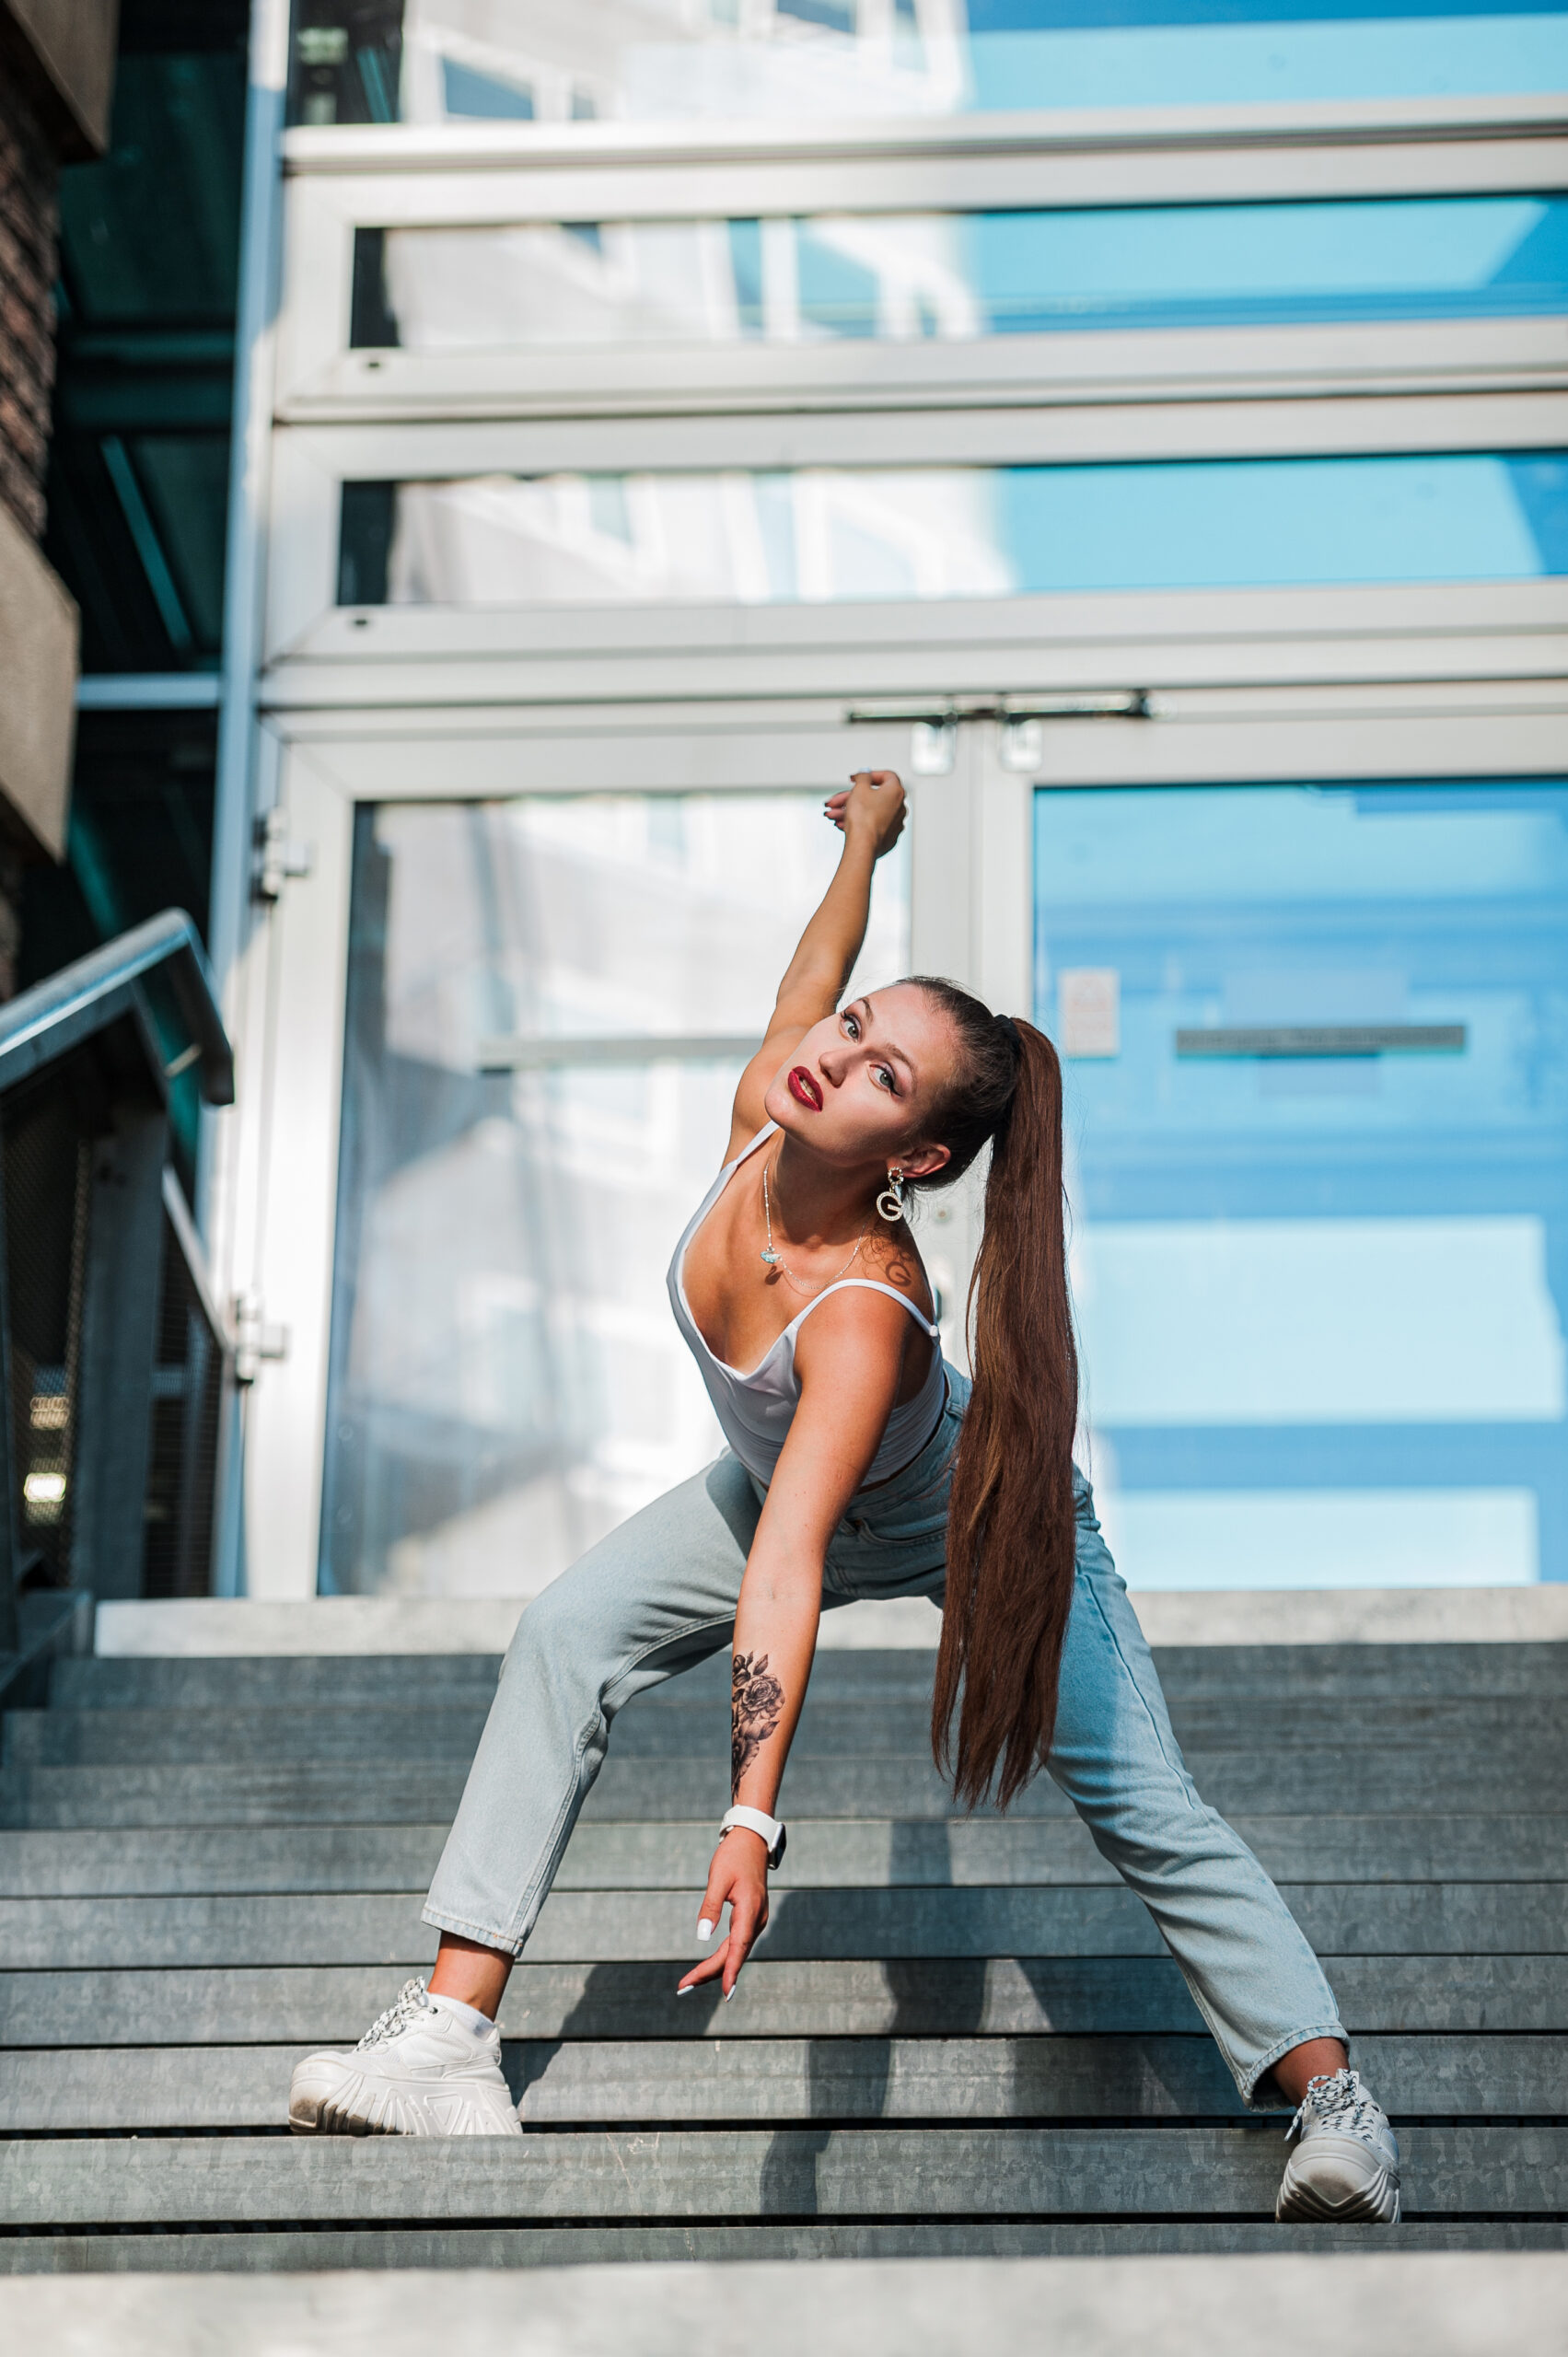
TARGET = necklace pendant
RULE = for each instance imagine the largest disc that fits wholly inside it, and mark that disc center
(770, 1256)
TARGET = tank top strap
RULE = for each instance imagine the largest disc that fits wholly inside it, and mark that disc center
(869, 1285)
(677, 1265)
(767, 1130)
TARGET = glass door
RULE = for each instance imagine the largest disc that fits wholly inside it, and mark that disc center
(1317, 1044)
(550, 1001)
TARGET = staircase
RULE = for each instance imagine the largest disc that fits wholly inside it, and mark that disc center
(958, 2036)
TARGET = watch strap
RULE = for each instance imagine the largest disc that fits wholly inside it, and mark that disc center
(755, 1820)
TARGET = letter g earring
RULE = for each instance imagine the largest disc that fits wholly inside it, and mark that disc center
(890, 1202)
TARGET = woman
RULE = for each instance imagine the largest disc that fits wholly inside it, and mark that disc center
(860, 1464)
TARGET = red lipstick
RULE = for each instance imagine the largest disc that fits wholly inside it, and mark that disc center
(803, 1088)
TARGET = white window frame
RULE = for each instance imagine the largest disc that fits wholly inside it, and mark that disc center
(341, 180)
(1397, 387)
(306, 625)
(1440, 640)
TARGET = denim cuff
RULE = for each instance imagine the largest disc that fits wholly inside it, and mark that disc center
(485, 1933)
(1265, 2063)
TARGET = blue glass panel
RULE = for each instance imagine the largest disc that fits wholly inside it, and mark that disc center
(808, 60)
(954, 277)
(1322, 1295)
(1213, 265)
(1229, 523)
(1391, 55)
(986, 18)
(776, 522)
(746, 268)
(483, 97)
(835, 16)
(830, 535)
(839, 294)
(1540, 486)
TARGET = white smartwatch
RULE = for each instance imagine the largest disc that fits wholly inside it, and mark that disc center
(757, 1820)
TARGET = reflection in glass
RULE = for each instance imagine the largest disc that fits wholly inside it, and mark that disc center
(506, 1383)
(574, 60)
(832, 534)
(909, 277)
(1322, 1299)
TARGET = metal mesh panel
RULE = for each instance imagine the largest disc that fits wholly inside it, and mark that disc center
(47, 1127)
(114, 1366)
(48, 1193)
(187, 1409)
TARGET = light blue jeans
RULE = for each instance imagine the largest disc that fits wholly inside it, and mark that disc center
(659, 1593)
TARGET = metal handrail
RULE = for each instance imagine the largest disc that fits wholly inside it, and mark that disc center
(55, 1016)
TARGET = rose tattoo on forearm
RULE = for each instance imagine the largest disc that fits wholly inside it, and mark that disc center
(755, 1705)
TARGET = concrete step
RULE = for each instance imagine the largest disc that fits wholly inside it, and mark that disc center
(822, 1854)
(1361, 1672)
(623, 2083)
(1509, 1725)
(306, 1681)
(312, 2252)
(857, 1997)
(1396, 1673)
(841, 2306)
(1486, 1778)
(1368, 1919)
(955, 2027)
(917, 2174)
(1030, 2078)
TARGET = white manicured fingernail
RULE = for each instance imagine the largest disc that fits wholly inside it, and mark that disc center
(687, 1993)
(704, 1929)
(727, 1995)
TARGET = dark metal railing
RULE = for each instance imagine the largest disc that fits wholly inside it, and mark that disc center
(115, 1368)
(45, 1022)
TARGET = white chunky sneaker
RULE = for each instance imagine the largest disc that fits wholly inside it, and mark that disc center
(1345, 2167)
(422, 2070)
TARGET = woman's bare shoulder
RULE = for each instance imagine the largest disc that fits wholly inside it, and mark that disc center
(892, 1257)
(859, 1335)
(853, 1311)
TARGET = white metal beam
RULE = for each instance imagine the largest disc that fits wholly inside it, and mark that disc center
(996, 373)
(581, 147)
(221, 1174)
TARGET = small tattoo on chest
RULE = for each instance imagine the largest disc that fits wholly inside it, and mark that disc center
(756, 1706)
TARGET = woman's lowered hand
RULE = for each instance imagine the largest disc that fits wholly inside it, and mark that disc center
(738, 1879)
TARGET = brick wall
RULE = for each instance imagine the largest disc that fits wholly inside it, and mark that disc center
(29, 176)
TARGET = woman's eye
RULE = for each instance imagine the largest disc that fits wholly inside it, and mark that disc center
(852, 1027)
(883, 1077)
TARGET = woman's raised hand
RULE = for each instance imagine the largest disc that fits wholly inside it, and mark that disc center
(873, 800)
(738, 1876)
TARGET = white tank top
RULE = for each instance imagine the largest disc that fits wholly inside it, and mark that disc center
(757, 1409)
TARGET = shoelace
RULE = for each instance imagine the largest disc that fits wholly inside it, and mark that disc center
(412, 2000)
(1340, 2102)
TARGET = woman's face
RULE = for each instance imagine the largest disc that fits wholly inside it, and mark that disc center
(859, 1087)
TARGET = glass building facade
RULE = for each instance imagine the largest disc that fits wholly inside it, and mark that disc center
(801, 62)
(1144, 427)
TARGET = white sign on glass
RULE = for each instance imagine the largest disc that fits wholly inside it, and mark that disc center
(1088, 1011)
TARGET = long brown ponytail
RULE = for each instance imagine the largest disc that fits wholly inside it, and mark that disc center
(1010, 1514)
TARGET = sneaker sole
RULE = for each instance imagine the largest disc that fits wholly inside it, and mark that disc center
(1377, 2204)
(388, 2113)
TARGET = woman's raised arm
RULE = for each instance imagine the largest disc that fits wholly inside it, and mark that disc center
(871, 816)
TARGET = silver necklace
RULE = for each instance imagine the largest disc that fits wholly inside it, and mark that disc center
(773, 1261)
